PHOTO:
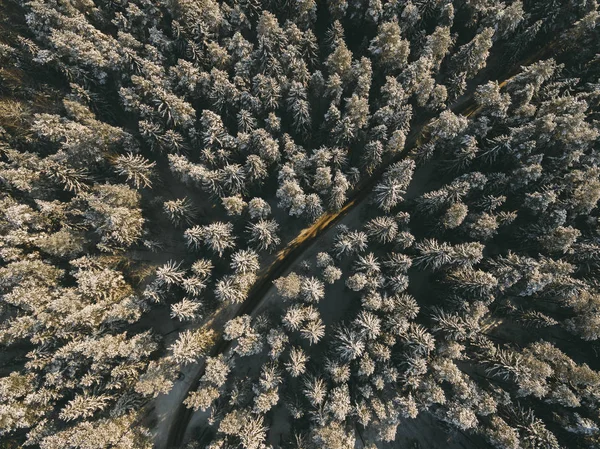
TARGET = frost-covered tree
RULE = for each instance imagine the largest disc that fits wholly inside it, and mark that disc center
(240, 329)
(311, 290)
(390, 191)
(217, 236)
(234, 205)
(245, 261)
(263, 234)
(258, 208)
(349, 343)
(138, 170)
(389, 48)
(185, 310)
(383, 229)
(180, 211)
(113, 211)
(191, 345)
(297, 362)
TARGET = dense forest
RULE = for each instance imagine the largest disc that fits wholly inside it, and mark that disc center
(302, 224)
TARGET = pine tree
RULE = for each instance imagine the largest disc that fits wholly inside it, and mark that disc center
(349, 343)
(170, 274)
(218, 236)
(297, 363)
(389, 48)
(232, 288)
(234, 205)
(312, 290)
(180, 211)
(383, 229)
(338, 403)
(139, 171)
(263, 234)
(313, 331)
(350, 243)
(245, 261)
(113, 211)
(185, 310)
(369, 324)
(191, 345)
(258, 208)
(388, 193)
(315, 390)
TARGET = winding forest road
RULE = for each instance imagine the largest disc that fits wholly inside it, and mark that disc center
(464, 105)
